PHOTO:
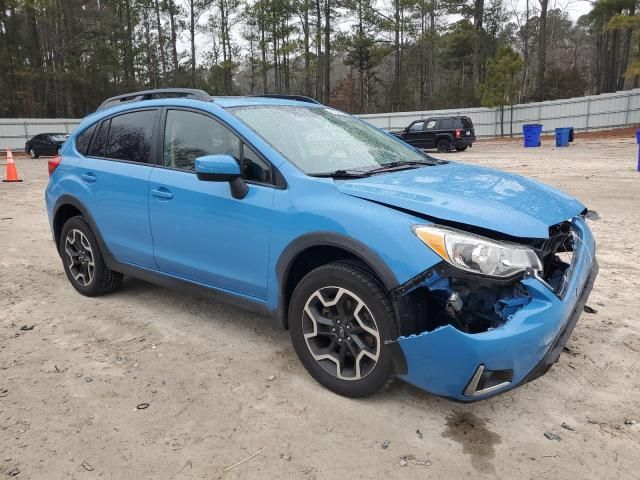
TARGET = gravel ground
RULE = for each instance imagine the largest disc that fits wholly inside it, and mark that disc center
(222, 384)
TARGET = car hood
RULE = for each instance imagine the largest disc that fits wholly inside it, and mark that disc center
(472, 195)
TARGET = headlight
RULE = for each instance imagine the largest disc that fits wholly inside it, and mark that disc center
(477, 254)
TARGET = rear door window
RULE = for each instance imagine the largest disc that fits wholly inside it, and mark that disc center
(431, 124)
(130, 136)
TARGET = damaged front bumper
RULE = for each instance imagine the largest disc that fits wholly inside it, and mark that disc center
(472, 366)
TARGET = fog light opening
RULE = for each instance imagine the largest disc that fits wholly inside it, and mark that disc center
(487, 381)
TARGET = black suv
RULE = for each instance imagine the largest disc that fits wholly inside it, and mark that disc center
(443, 133)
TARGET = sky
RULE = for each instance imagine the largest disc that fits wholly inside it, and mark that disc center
(575, 8)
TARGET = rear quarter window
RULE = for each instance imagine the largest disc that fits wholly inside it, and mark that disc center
(466, 122)
(84, 139)
(99, 140)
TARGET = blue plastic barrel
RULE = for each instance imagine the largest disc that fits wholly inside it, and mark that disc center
(562, 136)
(532, 134)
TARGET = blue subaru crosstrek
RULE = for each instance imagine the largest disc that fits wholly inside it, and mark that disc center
(380, 260)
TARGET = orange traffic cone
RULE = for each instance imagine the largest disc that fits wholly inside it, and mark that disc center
(12, 172)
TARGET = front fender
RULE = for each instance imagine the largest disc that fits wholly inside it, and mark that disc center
(332, 239)
(312, 212)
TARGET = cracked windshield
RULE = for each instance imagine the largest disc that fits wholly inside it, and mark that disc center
(324, 140)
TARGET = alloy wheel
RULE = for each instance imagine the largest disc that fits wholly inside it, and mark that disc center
(80, 259)
(341, 333)
(32, 153)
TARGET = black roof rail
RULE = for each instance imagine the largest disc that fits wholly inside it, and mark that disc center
(299, 98)
(157, 93)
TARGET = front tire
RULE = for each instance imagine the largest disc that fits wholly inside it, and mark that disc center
(83, 261)
(339, 320)
(33, 154)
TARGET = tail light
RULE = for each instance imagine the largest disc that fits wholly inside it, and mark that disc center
(54, 163)
(458, 133)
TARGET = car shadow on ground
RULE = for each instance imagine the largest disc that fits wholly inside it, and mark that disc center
(149, 295)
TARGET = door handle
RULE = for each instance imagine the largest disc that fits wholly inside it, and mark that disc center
(88, 177)
(162, 193)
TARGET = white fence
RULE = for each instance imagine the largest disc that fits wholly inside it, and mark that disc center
(596, 112)
(14, 132)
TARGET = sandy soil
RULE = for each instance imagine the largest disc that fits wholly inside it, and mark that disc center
(222, 384)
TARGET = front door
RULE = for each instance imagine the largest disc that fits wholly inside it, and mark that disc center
(49, 147)
(200, 232)
(415, 134)
(40, 144)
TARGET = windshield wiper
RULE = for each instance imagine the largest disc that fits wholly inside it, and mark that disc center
(401, 164)
(360, 173)
(342, 174)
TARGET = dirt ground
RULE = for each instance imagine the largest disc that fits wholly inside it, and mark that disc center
(222, 384)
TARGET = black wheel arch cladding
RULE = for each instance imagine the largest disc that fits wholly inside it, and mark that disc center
(351, 246)
(65, 202)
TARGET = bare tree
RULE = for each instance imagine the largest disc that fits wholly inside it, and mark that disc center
(542, 48)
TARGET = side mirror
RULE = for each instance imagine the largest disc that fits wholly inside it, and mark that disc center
(222, 168)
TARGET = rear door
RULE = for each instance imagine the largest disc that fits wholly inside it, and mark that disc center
(430, 130)
(116, 172)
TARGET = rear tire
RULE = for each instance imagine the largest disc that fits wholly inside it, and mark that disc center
(444, 145)
(461, 149)
(32, 153)
(339, 320)
(83, 261)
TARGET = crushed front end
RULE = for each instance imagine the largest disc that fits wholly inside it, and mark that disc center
(468, 337)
